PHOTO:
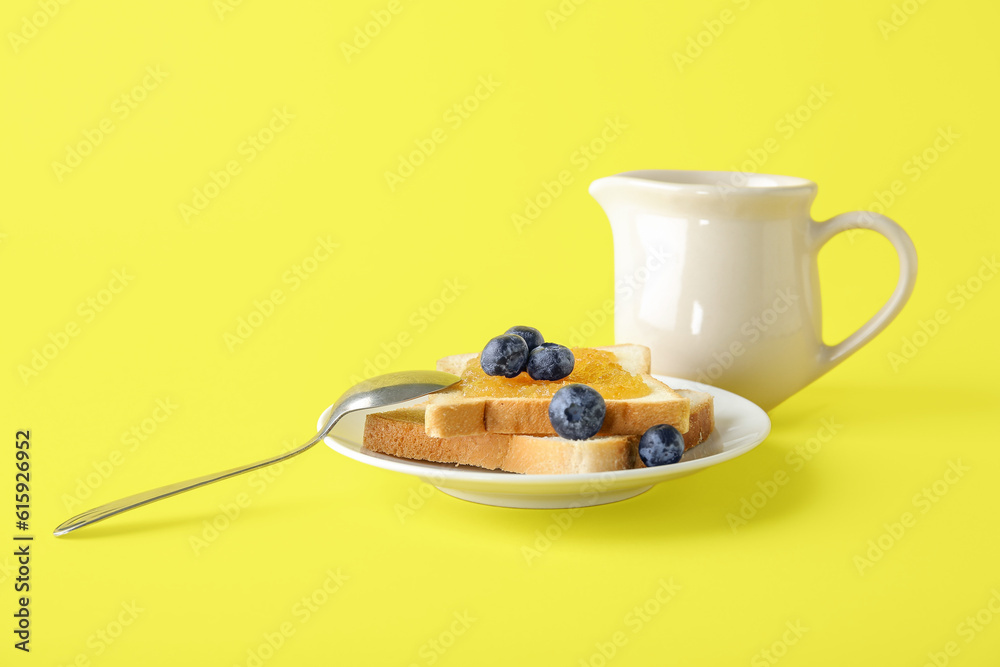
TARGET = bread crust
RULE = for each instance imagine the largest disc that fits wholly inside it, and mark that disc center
(401, 433)
(702, 417)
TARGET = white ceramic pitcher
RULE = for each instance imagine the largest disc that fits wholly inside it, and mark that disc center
(716, 272)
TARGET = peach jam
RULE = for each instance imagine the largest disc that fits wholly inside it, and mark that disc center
(596, 368)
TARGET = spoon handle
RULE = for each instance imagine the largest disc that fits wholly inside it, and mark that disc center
(376, 392)
(139, 499)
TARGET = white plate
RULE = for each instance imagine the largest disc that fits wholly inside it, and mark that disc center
(739, 427)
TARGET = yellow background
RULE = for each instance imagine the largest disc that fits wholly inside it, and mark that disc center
(163, 336)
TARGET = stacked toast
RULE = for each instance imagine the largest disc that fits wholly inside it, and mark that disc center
(503, 423)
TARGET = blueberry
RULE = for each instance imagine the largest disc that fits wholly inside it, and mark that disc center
(531, 336)
(505, 355)
(576, 412)
(550, 362)
(661, 445)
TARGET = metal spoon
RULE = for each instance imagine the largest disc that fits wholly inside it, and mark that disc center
(377, 392)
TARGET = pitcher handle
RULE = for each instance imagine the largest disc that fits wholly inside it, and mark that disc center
(831, 355)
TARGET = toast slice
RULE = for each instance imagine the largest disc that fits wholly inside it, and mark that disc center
(402, 433)
(451, 414)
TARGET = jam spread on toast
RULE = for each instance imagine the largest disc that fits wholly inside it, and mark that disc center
(596, 368)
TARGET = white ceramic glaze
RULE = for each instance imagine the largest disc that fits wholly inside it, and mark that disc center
(739, 427)
(716, 272)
